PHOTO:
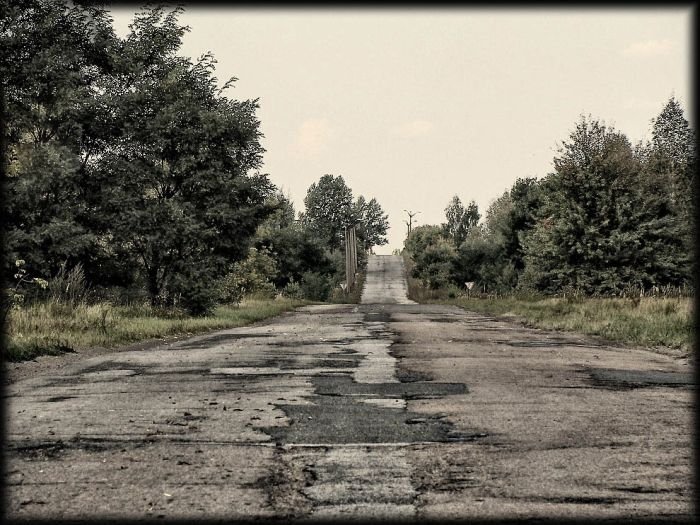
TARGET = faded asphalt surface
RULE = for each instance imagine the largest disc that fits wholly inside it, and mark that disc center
(388, 409)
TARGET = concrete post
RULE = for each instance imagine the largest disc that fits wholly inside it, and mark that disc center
(353, 251)
(348, 269)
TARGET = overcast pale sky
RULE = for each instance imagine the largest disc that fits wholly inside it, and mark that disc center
(413, 106)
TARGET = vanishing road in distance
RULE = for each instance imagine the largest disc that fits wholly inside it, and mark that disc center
(386, 409)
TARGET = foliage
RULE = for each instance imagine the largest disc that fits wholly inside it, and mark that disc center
(460, 220)
(329, 210)
(14, 296)
(373, 223)
(481, 259)
(173, 185)
(609, 217)
(251, 276)
(293, 290)
(432, 254)
(52, 55)
(606, 224)
(125, 157)
(296, 251)
(315, 286)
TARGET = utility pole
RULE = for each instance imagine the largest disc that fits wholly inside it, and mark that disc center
(350, 257)
(409, 223)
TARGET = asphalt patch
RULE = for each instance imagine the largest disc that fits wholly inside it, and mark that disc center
(302, 343)
(56, 399)
(547, 343)
(345, 386)
(412, 376)
(338, 415)
(620, 379)
(377, 317)
(577, 500)
(219, 339)
(106, 366)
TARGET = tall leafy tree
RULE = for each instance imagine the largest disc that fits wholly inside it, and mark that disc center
(603, 227)
(329, 209)
(373, 223)
(460, 220)
(671, 158)
(433, 256)
(672, 136)
(53, 53)
(174, 184)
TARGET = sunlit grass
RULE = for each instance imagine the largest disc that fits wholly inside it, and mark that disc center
(54, 328)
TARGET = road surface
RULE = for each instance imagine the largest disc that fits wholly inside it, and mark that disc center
(387, 409)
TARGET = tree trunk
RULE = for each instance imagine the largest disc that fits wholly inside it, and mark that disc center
(5, 302)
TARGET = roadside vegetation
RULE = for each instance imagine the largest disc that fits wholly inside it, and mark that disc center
(604, 244)
(49, 328)
(135, 205)
(652, 321)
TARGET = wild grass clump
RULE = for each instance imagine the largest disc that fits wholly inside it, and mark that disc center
(52, 327)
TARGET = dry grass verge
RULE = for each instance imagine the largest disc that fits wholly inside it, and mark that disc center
(52, 328)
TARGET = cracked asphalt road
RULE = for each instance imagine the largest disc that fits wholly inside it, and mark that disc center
(387, 409)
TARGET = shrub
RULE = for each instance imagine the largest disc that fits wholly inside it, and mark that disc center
(251, 276)
(293, 290)
(315, 286)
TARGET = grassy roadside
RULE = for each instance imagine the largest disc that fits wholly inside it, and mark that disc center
(647, 321)
(53, 328)
(653, 322)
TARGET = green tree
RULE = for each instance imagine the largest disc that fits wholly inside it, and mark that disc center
(483, 255)
(174, 184)
(250, 276)
(375, 224)
(432, 254)
(527, 198)
(671, 158)
(673, 138)
(604, 225)
(460, 220)
(296, 251)
(53, 54)
(329, 209)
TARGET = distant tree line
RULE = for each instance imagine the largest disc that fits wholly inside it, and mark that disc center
(611, 217)
(126, 161)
